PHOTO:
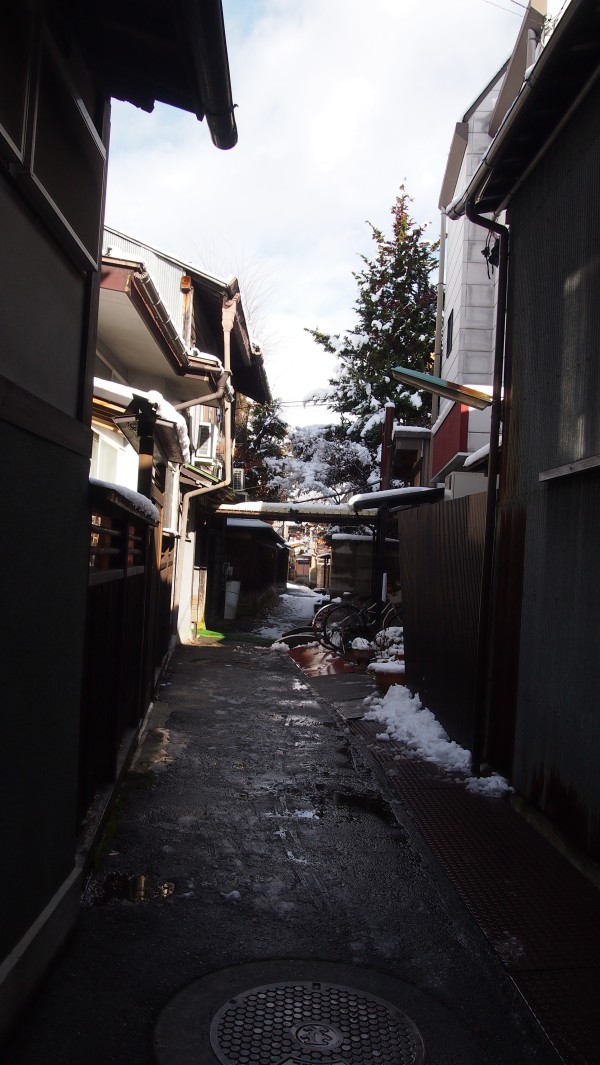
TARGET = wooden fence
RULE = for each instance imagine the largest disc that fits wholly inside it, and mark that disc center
(441, 553)
(127, 636)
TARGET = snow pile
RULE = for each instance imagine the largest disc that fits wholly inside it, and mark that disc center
(292, 609)
(494, 785)
(408, 722)
(360, 644)
(390, 644)
(387, 667)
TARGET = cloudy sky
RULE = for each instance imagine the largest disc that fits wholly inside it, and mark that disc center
(338, 103)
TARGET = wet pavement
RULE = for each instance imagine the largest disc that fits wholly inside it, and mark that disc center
(261, 847)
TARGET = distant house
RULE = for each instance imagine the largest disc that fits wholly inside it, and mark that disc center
(257, 559)
(167, 329)
(61, 65)
(465, 349)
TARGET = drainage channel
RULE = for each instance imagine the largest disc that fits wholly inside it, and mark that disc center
(291, 1021)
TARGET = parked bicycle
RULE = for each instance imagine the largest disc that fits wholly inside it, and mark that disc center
(338, 624)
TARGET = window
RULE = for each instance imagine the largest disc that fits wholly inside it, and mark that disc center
(105, 456)
(449, 332)
(206, 441)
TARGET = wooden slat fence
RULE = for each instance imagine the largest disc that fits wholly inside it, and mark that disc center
(441, 552)
(127, 637)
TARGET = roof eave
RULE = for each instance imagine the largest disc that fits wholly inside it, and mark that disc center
(562, 76)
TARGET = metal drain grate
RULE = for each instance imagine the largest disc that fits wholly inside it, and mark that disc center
(305, 1023)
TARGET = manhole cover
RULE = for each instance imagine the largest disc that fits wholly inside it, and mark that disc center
(308, 1022)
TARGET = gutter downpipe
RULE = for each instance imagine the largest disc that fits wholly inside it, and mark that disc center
(228, 318)
(487, 576)
(221, 391)
(439, 316)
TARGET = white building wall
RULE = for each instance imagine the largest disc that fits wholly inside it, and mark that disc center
(470, 290)
(475, 341)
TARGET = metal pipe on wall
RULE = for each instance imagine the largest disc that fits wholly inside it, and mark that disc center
(228, 318)
(487, 577)
(439, 316)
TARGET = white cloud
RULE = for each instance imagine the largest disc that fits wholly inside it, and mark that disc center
(338, 104)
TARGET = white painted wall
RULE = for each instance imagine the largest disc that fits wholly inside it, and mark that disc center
(470, 289)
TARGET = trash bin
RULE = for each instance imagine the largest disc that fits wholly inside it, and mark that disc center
(232, 594)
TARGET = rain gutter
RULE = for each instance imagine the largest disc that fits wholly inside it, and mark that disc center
(203, 26)
(153, 298)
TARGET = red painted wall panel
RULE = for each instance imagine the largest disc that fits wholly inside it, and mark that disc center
(450, 438)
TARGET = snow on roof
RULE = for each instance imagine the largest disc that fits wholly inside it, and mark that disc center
(390, 494)
(352, 536)
(422, 430)
(477, 456)
(361, 536)
(112, 390)
(205, 356)
(333, 510)
(139, 503)
(254, 523)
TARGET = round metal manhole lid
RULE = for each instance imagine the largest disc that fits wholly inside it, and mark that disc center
(307, 1022)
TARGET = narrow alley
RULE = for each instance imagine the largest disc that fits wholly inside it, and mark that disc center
(254, 847)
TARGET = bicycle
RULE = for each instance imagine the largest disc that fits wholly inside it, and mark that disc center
(341, 623)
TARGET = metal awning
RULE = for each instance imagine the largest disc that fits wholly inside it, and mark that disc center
(471, 397)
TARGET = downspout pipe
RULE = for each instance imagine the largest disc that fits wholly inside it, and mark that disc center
(221, 391)
(228, 318)
(439, 315)
(487, 576)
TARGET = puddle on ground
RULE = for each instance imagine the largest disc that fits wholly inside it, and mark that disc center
(372, 804)
(137, 888)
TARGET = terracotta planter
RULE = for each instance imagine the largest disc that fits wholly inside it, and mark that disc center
(384, 678)
(362, 654)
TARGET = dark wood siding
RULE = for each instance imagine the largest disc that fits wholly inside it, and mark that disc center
(554, 336)
(441, 551)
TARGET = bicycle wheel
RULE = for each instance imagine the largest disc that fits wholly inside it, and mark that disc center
(321, 615)
(342, 625)
(391, 617)
(391, 629)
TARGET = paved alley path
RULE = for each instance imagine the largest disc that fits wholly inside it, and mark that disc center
(250, 832)
(290, 610)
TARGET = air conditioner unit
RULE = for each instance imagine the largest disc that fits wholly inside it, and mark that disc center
(238, 479)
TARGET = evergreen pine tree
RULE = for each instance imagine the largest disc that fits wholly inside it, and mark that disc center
(395, 307)
(260, 436)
